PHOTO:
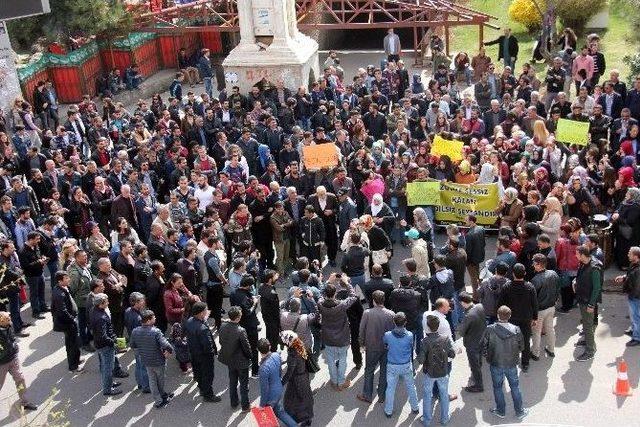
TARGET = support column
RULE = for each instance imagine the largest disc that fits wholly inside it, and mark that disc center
(446, 39)
(480, 36)
(9, 82)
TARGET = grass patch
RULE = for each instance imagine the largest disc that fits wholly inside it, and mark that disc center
(614, 40)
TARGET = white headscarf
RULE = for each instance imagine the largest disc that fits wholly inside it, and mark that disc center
(376, 204)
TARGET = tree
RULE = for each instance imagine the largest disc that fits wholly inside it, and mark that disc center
(73, 18)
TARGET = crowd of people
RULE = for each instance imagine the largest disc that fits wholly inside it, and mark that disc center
(146, 219)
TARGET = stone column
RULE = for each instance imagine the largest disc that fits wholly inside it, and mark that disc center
(9, 83)
(245, 21)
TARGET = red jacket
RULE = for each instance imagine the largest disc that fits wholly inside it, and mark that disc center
(173, 306)
(566, 254)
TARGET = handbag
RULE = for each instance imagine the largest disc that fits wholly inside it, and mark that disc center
(625, 231)
(380, 257)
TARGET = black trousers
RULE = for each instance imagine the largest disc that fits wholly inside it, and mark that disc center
(215, 295)
(331, 238)
(204, 372)
(252, 334)
(475, 364)
(266, 253)
(273, 334)
(241, 377)
(394, 58)
(525, 327)
(355, 344)
(72, 346)
(117, 319)
(567, 297)
(311, 252)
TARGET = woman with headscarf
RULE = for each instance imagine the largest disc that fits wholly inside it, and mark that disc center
(627, 222)
(382, 214)
(579, 199)
(510, 208)
(444, 171)
(379, 244)
(542, 183)
(552, 219)
(464, 175)
(298, 397)
(372, 185)
(264, 155)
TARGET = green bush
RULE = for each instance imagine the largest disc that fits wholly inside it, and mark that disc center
(576, 13)
(633, 62)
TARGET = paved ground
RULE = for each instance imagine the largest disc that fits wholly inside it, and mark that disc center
(559, 391)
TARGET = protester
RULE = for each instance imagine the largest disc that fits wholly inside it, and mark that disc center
(271, 387)
(471, 330)
(203, 350)
(235, 352)
(546, 282)
(588, 288)
(65, 319)
(502, 343)
(298, 397)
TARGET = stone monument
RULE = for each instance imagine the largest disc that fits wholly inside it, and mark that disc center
(9, 83)
(270, 47)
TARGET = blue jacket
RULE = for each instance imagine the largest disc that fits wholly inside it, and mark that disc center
(270, 380)
(149, 343)
(399, 345)
(204, 67)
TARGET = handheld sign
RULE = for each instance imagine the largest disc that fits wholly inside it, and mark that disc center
(320, 156)
(572, 132)
(451, 148)
(423, 193)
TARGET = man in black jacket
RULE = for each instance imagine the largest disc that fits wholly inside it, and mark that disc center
(474, 247)
(436, 352)
(270, 307)
(244, 299)
(547, 284)
(326, 205)
(378, 283)
(104, 340)
(235, 352)
(202, 349)
(408, 300)
(631, 286)
(510, 54)
(353, 260)
(33, 262)
(9, 361)
(65, 319)
(456, 261)
(588, 288)
(471, 330)
(520, 297)
(313, 234)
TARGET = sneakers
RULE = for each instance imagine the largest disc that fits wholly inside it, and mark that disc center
(633, 343)
(212, 398)
(549, 353)
(525, 368)
(495, 412)
(22, 334)
(162, 404)
(113, 392)
(29, 407)
(522, 414)
(584, 357)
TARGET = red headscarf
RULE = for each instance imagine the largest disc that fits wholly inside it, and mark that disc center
(625, 175)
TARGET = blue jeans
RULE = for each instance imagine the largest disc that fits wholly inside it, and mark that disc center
(634, 314)
(106, 356)
(358, 281)
(142, 377)
(52, 266)
(14, 311)
(497, 377)
(418, 332)
(337, 361)
(36, 294)
(371, 360)
(443, 393)
(208, 86)
(282, 415)
(457, 313)
(394, 373)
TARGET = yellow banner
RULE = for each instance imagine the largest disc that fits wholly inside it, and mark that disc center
(572, 132)
(458, 200)
(320, 156)
(451, 148)
(423, 193)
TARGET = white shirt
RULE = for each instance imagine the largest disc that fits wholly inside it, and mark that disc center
(322, 203)
(205, 197)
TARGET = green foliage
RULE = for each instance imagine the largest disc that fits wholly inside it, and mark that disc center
(633, 62)
(526, 13)
(576, 13)
(74, 18)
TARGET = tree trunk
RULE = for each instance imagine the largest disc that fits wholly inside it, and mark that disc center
(549, 18)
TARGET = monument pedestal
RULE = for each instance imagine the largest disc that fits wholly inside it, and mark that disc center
(271, 47)
(9, 82)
